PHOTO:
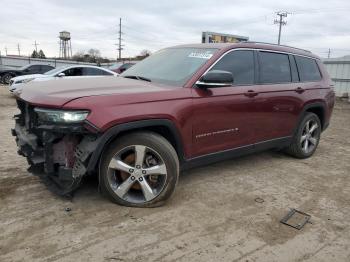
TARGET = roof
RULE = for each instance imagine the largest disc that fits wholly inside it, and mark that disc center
(253, 45)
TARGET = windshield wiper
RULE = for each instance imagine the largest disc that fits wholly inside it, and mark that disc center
(138, 78)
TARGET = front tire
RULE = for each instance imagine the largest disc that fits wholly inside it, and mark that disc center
(6, 78)
(307, 137)
(139, 170)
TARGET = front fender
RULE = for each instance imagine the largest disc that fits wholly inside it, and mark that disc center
(114, 131)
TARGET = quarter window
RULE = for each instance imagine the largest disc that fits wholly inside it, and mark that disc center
(241, 64)
(274, 68)
(308, 69)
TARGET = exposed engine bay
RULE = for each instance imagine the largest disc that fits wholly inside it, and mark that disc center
(59, 151)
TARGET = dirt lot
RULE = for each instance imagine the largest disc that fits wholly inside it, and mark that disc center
(229, 211)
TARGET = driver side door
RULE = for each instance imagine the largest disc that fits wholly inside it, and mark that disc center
(223, 116)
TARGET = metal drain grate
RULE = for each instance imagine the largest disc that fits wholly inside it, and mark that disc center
(296, 219)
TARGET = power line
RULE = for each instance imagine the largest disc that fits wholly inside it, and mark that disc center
(281, 22)
(120, 39)
(19, 49)
(36, 46)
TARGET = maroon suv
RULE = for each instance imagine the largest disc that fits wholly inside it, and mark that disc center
(182, 107)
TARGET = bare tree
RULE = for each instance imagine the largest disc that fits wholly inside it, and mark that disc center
(145, 53)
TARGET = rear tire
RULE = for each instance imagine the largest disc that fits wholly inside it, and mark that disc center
(139, 170)
(307, 137)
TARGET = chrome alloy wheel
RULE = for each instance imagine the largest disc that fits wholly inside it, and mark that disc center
(137, 174)
(310, 136)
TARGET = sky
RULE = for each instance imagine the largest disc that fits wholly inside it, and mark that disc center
(316, 25)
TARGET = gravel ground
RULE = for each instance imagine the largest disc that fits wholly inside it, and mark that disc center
(229, 211)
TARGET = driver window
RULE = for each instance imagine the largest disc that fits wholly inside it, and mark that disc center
(73, 72)
(241, 64)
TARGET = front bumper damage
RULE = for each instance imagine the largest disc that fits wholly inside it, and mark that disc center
(56, 152)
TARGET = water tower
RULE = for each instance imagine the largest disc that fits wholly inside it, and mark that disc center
(65, 45)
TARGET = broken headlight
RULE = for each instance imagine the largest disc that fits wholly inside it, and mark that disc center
(60, 116)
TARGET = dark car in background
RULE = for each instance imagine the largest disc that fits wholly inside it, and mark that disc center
(7, 73)
(121, 67)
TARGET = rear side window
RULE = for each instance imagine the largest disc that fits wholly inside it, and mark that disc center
(274, 68)
(89, 71)
(240, 64)
(34, 68)
(308, 69)
(45, 68)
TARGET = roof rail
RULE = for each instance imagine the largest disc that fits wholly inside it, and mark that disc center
(265, 43)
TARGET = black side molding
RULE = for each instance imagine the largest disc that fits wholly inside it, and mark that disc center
(236, 152)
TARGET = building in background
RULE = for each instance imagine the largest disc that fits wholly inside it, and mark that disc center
(212, 37)
(339, 70)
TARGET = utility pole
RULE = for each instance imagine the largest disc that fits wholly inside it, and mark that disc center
(120, 39)
(36, 46)
(19, 49)
(5, 50)
(329, 53)
(281, 22)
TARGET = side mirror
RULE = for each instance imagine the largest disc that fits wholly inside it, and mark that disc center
(61, 75)
(215, 78)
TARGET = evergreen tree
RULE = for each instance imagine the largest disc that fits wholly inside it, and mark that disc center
(34, 54)
(41, 54)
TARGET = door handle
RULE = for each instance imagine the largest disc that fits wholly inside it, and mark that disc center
(299, 90)
(250, 93)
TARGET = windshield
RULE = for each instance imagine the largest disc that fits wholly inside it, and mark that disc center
(54, 71)
(173, 66)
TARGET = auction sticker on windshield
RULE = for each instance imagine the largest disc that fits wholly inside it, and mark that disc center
(203, 55)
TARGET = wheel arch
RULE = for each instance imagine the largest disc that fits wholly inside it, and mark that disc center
(320, 112)
(318, 108)
(163, 127)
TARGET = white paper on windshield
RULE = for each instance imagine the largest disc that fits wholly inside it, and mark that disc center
(202, 55)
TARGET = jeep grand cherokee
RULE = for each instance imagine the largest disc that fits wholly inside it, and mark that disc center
(182, 107)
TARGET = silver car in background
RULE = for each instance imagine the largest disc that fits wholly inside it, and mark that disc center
(60, 72)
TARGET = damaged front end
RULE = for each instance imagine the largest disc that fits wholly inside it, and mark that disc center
(55, 148)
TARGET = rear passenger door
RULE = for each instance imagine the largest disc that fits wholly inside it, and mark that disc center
(278, 101)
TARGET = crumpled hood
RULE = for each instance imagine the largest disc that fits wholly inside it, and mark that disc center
(59, 91)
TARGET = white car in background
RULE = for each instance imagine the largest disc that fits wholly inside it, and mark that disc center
(60, 72)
